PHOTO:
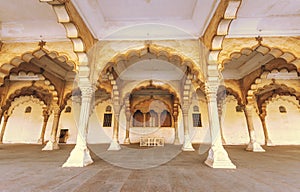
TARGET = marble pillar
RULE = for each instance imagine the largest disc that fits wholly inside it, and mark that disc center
(268, 141)
(128, 115)
(6, 116)
(217, 155)
(176, 136)
(80, 155)
(220, 113)
(114, 144)
(46, 117)
(187, 144)
(52, 144)
(253, 145)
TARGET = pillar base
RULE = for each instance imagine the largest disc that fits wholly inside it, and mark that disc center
(269, 143)
(176, 141)
(114, 146)
(79, 157)
(187, 144)
(218, 158)
(40, 141)
(254, 147)
(50, 146)
(127, 141)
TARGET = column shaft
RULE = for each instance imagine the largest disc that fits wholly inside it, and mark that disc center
(114, 145)
(268, 141)
(80, 155)
(187, 145)
(3, 126)
(217, 156)
(253, 145)
(53, 142)
(176, 136)
(127, 140)
(42, 136)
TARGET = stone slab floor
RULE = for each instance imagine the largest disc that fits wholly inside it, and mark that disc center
(25, 167)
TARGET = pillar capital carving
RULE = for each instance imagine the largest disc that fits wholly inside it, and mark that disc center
(87, 91)
(211, 89)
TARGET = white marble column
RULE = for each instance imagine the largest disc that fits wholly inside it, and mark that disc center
(253, 145)
(268, 141)
(217, 156)
(46, 117)
(176, 137)
(128, 115)
(187, 144)
(80, 155)
(220, 111)
(53, 142)
(6, 116)
(114, 144)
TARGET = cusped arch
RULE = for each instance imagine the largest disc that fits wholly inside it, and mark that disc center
(125, 60)
(277, 53)
(145, 84)
(230, 91)
(44, 95)
(280, 97)
(21, 100)
(27, 58)
(264, 76)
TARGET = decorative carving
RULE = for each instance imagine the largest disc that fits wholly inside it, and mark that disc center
(259, 40)
(42, 44)
(86, 92)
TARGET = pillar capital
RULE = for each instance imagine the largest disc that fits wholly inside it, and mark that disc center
(211, 89)
(87, 91)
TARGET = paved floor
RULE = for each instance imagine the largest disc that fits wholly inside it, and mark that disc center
(27, 168)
